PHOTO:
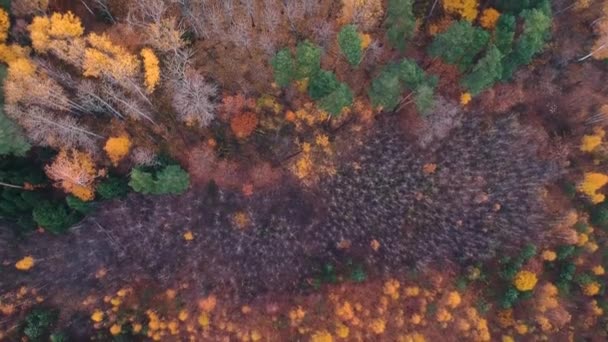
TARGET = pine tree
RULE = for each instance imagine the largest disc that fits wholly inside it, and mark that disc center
(485, 73)
(283, 67)
(340, 98)
(459, 44)
(400, 23)
(308, 59)
(350, 44)
(322, 84)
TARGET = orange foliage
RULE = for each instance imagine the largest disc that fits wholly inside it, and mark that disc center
(74, 172)
(243, 124)
(489, 18)
(117, 148)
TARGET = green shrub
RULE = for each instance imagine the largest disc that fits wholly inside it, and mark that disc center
(79, 205)
(350, 44)
(53, 217)
(599, 216)
(113, 187)
(171, 179)
(38, 323)
(510, 298)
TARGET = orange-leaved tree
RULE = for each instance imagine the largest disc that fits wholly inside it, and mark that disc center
(489, 18)
(243, 124)
(117, 148)
(74, 172)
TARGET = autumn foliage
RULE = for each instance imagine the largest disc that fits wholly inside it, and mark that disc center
(74, 172)
(466, 9)
(151, 69)
(117, 148)
(243, 124)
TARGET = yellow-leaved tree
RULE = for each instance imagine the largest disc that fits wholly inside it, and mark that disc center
(466, 9)
(591, 184)
(105, 58)
(74, 172)
(151, 69)
(60, 34)
(117, 148)
(5, 24)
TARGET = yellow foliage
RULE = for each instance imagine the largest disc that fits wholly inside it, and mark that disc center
(188, 236)
(507, 338)
(137, 328)
(342, 331)
(241, 219)
(117, 148)
(115, 329)
(413, 337)
(444, 315)
(467, 9)
(489, 18)
(412, 291)
(321, 336)
(10, 53)
(582, 239)
(345, 311)
(391, 288)
(378, 326)
(591, 184)
(74, 172)
(453, 299)
(183, 315)
(151, 69)
(598, 270)
(525, 280)
(590, 142)
(591, 289)
(203, 320)
(549, 255)
(97, 316)
(366, 39)
(25, 264)
(5, 24)
(465, 98)
(303, 166)
(58, 27)
(21, 68)
(322, 140)
(582, 4)
(106, 58)
(521, 329)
